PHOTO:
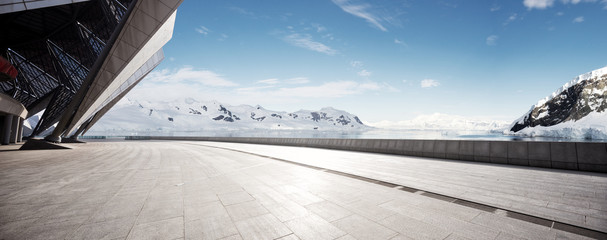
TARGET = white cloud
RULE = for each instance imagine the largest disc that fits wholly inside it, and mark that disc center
(578, 19)
(325, 90)
(328, 36)
(243, 11)
(389, 87)
(270, 81)
(203, 30)
(306, 41)
(356, 64)
(492, 40)
(297, 80)
(560, 13)
(253, 89)
(223, 37)
(364, 73)
(361, 11)
(511, 19)
(428, 83)
(495, 8)
(319, 28)
(274, 81)
(189, 76)
(539, 4)
(186, 82)
(577, 1)
(543, 4)
(399, 42)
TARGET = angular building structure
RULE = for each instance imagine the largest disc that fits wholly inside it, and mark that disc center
(75, 59)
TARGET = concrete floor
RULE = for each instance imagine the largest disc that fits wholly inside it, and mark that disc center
(572, 197)
(203, 190)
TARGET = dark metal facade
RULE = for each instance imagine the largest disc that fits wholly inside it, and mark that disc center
(53, 49)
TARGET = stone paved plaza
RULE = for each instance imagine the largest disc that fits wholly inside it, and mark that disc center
(207, 190)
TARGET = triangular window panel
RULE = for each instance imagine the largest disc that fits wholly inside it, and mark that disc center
(116, 8)
(32, 80)
(95, 44)
(74, 71)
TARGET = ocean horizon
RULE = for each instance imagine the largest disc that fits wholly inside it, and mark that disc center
(421, 134)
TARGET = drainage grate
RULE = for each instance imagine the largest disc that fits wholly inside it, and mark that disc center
(438, 196)
(529, 218)
(474, 205)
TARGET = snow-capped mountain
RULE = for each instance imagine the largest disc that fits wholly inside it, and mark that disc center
(576, 108)
(189, 114)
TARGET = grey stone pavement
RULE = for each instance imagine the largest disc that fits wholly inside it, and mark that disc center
(196, 190)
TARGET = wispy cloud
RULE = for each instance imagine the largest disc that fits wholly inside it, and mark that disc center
(543, 4)
(510, 19)
(275, 81)
(491, 40)
(364, 73)
(223, 37)
(539, 4)
(428, 83)
(270, 81)
(202, 30)
(578, 1)
(297, 80)
(495, 8)
(356, 64)
(243, 12)
(319, 28)
(361, 10)
(578, 19)
(326, 90)
(190, 76)
(306, 41)
(164, 84)
(399, 42)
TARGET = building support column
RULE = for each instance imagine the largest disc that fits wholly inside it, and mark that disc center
(20, 130)
(6, 129)
(14, 129)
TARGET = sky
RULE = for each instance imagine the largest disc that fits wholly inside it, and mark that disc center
(383, 60)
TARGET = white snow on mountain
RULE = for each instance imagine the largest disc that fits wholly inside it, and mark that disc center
(439, 121)
(593, 126)
(188, 114)
(574, 111)
(586, 76)
(577, 80)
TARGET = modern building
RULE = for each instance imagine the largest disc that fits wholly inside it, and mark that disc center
(75, 59)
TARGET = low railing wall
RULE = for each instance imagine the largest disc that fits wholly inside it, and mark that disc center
(583, 156)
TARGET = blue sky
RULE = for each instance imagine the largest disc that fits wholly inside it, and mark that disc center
(383, 59)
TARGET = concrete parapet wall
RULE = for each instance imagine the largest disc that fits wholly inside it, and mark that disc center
(583, 156)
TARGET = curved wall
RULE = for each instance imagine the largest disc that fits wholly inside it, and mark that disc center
(582, 156)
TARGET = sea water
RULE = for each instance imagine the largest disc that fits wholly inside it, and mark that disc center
(361, 134)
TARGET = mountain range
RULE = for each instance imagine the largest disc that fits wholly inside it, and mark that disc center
(440, 121)
(189, 114)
